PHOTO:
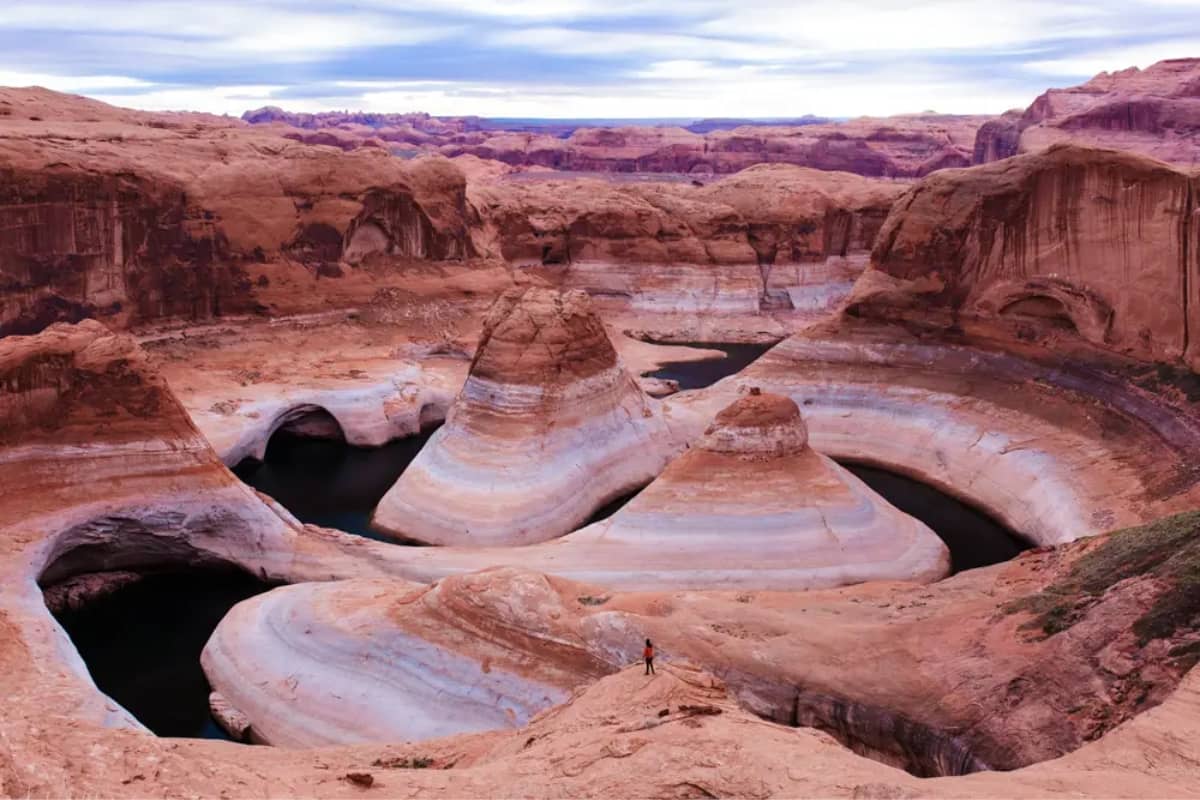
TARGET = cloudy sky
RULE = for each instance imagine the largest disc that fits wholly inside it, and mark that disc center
(585, 58)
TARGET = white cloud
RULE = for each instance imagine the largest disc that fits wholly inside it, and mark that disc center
(673, 92)
(214, 100)
(853, 26)
(222, 29)
(574, 42)
(591, 58)
(70, 83)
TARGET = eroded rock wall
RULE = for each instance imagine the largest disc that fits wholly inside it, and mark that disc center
(134, 217)
(77, 244)
(683, 247)
(1094, 242)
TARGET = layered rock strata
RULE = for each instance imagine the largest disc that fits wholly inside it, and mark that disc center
(990, 419)
(377, 661)
(751, 505)
(548, 427)
(748, 506)
(106, 478)
(734, 246)
(977, 672)
(93, 438)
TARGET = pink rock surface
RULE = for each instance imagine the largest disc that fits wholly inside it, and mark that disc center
(1154, 112)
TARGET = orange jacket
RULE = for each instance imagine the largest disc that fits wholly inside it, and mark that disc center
(648, 652)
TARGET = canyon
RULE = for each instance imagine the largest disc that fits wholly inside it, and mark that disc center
(555, 413)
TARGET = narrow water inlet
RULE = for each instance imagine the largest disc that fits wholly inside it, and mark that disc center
(141, 643)
(328, 482)
(973, 538)
(707, 371)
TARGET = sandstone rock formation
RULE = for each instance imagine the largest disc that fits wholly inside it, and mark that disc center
(1154, 112)
(94, 443)
(990, 419)
(548, 427)
(749, 506)
(753, 504)
(379, 661)
(133, 216)
(1095, 243)
(994, 669)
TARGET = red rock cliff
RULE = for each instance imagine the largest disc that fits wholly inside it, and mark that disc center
(133, 217)
(1096, 242)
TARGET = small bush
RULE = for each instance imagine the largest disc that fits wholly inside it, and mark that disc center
(1167, 549)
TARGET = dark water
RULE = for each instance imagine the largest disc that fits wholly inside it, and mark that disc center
(142, 645)
(974, 539)
(698, 374)
(327, 482)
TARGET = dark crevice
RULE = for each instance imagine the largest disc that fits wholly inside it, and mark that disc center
(612, 506)
(891, 738)
(1188, 209)
(871, 731)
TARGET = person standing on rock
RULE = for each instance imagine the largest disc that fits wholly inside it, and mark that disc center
(648, 654)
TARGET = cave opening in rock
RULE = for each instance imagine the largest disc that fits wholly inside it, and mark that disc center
(612, 506)
(309, 422)
(141, 643)
(974, 538)
(324, 481)
(1043, 309)
(707, 371)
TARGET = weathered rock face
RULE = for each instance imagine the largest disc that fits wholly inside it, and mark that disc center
(133, 217)
(114, 476)
(1092, 242)
(548, 427)
(362, 661)
(86, 489)
(1154, 112)
(767, 232)
(77, 245)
